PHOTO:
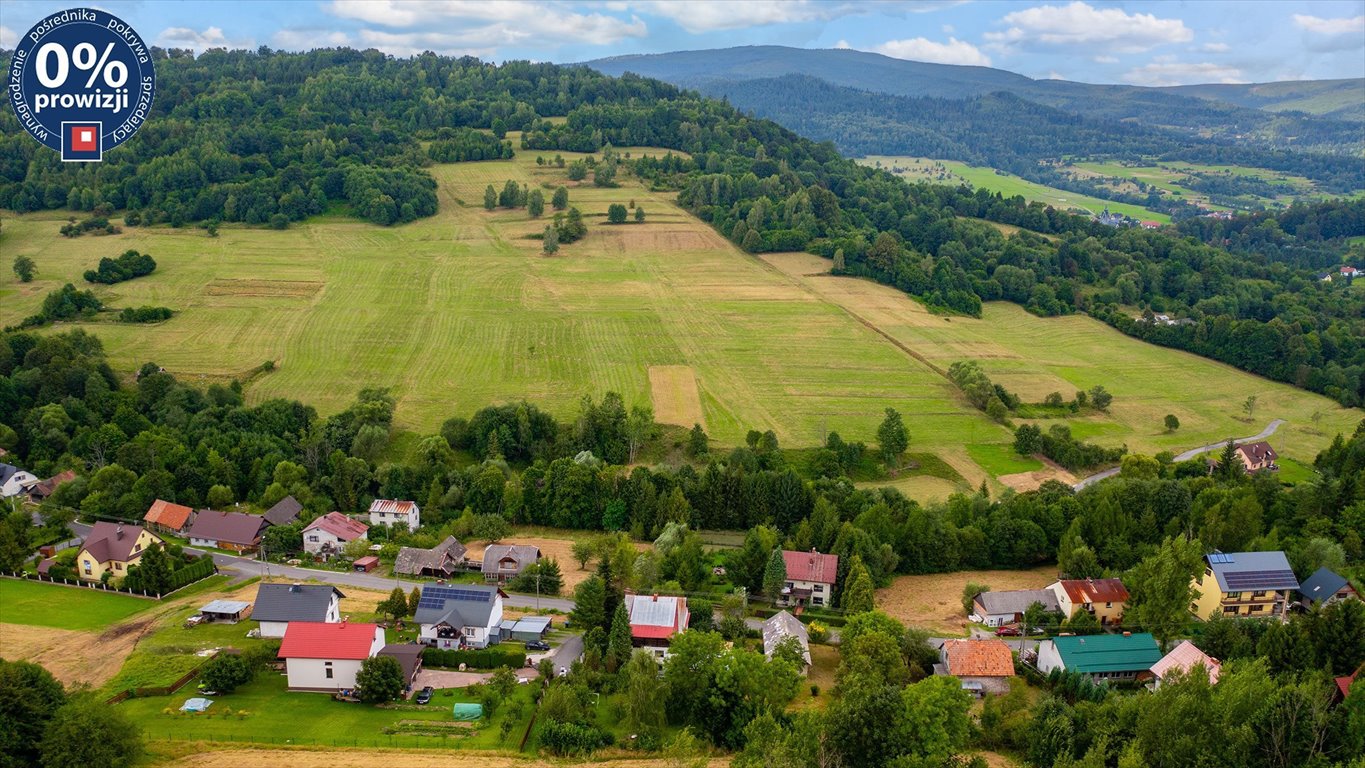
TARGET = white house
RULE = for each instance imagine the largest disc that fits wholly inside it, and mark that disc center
(329, 533)
(394, 512)
(14, 481)
(810, 577)
(279, 605)
(326, 657)
(459, 615)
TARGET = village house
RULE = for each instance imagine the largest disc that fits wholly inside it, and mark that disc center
(167, 517)
(326, 657)
(996, 609)
(327, 535)
(393, 512)
(779, 627)
(502, 562)
(439, 562)
(1349, 271)
(459, 615)
(983, 666)
(41, 490)
(1101, 598)
(655, 619)
(235, 531)
(1183, 658)
(1325, 587)
(284, 512)
(112, 548)
(810, 578)
(1246, 584)
(1258, 456)
(279, 604)
(14, 481)
(409, 658)
(1128, 656)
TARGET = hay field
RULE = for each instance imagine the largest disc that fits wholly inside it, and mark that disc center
(673, 389)
(235, 757)
(934, 601)
(460, 310)
(1033, 356)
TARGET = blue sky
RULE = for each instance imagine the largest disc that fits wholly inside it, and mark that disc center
(1140, 43)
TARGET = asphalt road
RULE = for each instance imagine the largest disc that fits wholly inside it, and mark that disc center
(1187, 455)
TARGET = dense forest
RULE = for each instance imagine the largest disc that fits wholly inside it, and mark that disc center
(269, 137)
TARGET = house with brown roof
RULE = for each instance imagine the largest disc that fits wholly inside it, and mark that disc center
(502, 562)
(112, 548)
(39, 491)
(1102, 598)
(167, 517)
(440, 561)
(284, 512)
(235, 531)
(810, 578)
(983, 666)
(328, 534)
(1258, 456)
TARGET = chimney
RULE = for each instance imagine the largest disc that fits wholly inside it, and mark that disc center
(296, 587)
(1127, 634)
(655, 597)
(344, 619)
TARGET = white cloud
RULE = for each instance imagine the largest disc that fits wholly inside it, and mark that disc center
(497, 21)
(1325, 35)
(309, 38)
(1079, 24)
(842, 45)
(921, 49)
(1166, 70)
(949, 29)
(1106, 60)
(1215, 47)
(212, 37)
(8, 37)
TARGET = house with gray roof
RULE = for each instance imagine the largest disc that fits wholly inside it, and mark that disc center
(459, 615)
(1253, 585)
(284, 512)
(1325, 587)
(996, 609)
(502, 562)
(14, 481)
(781, 626)
(279, 604)
(440, 561)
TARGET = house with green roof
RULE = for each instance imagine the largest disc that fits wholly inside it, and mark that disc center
(1128, 656)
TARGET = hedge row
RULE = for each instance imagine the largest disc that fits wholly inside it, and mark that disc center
(827, 618)
(201, 568)
(488, 658)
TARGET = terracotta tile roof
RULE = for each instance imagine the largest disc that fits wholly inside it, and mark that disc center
(392, 506)
(811, 566)
(45, 488)
(1184, 657)
(339, 525)
(173, 516)
(978, 658)
(319, 640)
(1095, 590)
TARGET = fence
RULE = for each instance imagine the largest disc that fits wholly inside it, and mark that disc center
(161, 690)
(374, 742)
(78, 584)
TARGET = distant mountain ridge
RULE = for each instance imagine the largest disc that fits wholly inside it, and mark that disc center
(1240, 108)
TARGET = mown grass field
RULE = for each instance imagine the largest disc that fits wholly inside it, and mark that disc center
(1167, 176)
(52, 605)
(1034, 356)
(461, 310)
(953, 172)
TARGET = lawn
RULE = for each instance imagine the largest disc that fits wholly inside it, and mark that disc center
(1168, 177)
(52, 605)
(953, 172)
(1033, 356)
(1002, 459)
(461, 310)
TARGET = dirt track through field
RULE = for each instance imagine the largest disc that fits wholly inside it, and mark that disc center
(73, 657)
(673, 390)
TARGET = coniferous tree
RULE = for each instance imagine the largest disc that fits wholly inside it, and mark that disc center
(490, 198)
(618, 640)
(775, 575)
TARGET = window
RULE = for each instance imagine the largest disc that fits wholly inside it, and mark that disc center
(86, 563)
(1230, 610)
(818, 600)
(819, 587)
(1257, 608)
(789, 585)
(327, 668)
(118, 566)
(1108, 605)
(1233, 596)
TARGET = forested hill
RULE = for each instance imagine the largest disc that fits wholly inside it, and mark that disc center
(1230, 112)
(268, 137)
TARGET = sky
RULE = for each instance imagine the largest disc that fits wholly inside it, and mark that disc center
(1169, 42)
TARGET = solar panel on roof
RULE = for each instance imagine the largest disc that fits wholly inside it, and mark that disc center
(1258, 579)
(436, 597)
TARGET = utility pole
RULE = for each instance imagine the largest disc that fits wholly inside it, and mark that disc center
(537, 590)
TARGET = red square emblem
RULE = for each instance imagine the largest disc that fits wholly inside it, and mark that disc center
(84, 138)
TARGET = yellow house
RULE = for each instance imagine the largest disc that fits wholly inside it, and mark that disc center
(112, 548)
(1102, 598)
(1245, 584)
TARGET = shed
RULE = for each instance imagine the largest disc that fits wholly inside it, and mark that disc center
(230, 611)
(366, 564)
(468, 712)
(531, 628)
(408, 656)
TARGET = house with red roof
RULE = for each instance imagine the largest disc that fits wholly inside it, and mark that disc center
(320, 656)
(395, 512)
(168, 517)
(655, 619)
(327, 535)
(810, 578)
(983, 666)
(38, 492)
(1102, 598)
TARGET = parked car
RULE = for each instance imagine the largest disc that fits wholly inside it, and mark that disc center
(1009, 631)
(563, 671)
(424, 695)
(537, 645)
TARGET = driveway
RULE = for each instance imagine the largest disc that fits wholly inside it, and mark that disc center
(444, 678)
(1187, 455)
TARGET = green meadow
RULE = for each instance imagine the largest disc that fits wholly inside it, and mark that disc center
(54, 605)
